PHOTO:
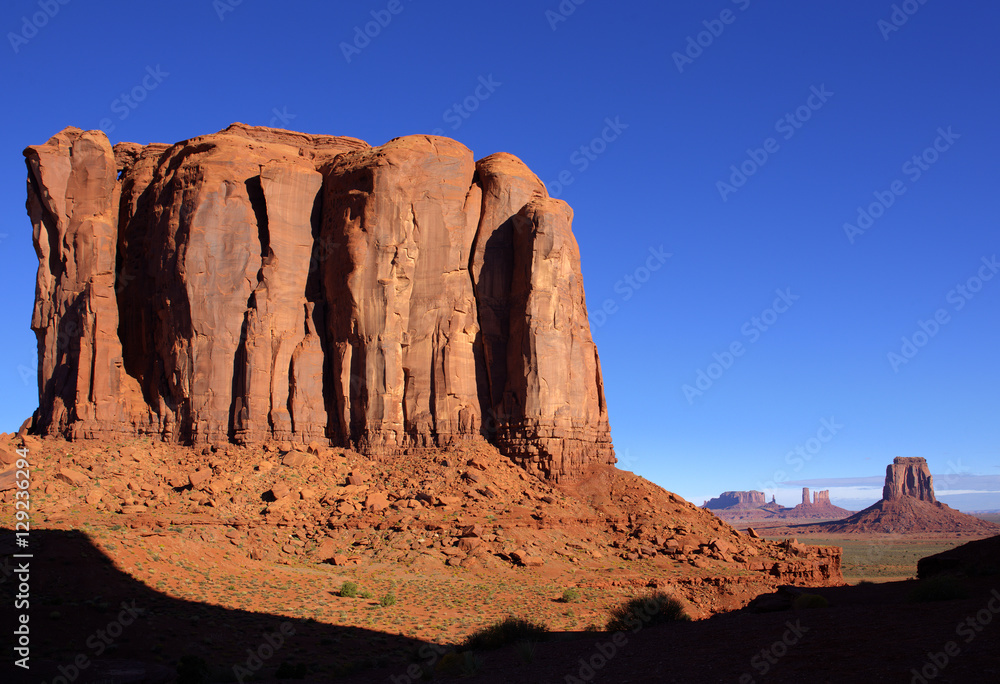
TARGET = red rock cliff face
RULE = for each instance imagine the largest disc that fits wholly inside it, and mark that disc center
(403, 356)
(259, 284)
(908, 476)
(73, 197)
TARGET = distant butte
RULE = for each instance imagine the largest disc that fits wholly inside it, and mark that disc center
(750, 506)
(908, 506)
(736, 500)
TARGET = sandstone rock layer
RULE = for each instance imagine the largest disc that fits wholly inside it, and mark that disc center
(73, 197)
(908, 476)
(260, 284)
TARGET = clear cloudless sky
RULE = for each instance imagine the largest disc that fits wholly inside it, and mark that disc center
(653, 186)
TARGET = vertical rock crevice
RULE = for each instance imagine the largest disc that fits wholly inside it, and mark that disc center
(281, 369)
(258, 203)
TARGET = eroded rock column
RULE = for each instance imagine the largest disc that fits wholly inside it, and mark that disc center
(554, 396)
(405, 322)
(73, 205)
(282, 373)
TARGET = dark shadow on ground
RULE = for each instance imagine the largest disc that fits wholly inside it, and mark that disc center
(872, 632)
(82, 610)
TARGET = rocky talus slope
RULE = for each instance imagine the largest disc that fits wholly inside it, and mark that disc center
(469, 508)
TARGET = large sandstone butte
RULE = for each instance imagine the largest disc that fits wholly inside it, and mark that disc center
(259, 284)
(908, 506)
(908, 477)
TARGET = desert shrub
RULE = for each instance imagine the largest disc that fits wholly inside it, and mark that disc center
(526, 651)
(939, 588)
(471, 664)
(507, 631)
(655, 608)
(571, 595)
(809, 601)
(349, 589)
(387, 600)
(365, 594)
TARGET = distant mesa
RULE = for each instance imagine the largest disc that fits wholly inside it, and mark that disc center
(908, 506)
(737, 500)
(737, 506)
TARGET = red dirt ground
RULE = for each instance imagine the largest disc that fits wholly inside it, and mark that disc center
(459, 538)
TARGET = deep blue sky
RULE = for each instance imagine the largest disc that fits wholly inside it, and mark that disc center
(654, 186)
